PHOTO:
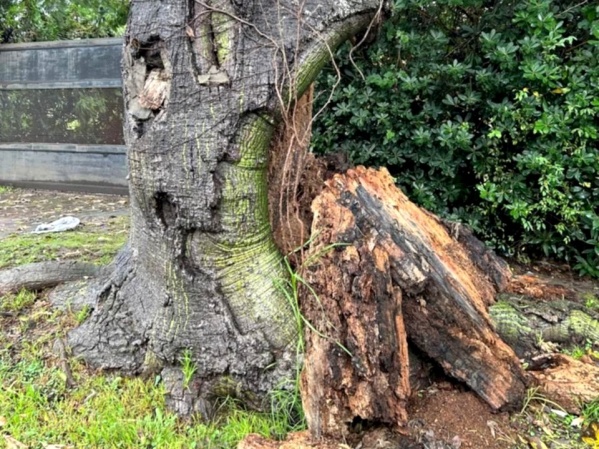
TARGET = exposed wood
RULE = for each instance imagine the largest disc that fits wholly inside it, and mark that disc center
(41, 275)
(356, 366)
(294, 176)
(396, 263)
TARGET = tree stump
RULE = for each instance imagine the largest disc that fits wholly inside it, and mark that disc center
(381, 272)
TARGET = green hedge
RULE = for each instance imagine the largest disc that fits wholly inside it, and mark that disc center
(51, 20)
(484, 111)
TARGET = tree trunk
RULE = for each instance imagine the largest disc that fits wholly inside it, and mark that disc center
(393, 274)
(205, 85)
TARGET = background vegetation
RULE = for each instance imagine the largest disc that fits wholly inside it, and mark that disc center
(48, 20)
(487, 112)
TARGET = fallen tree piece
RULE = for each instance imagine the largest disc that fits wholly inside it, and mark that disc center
(394, 263)
(37, 276)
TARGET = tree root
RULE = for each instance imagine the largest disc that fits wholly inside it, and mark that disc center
(37, 276)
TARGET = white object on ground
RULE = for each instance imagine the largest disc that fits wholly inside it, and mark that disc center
(60, 225)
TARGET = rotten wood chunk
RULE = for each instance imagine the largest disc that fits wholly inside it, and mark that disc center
(155, 90)
(569, 382)
(394, 263)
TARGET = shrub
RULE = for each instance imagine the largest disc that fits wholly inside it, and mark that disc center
(484, 111)
(49, 20)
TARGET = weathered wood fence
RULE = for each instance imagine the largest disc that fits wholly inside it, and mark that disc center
(61, 115)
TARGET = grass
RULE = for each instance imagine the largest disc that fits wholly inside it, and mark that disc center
(5, 189)
(103, 410)
(106, 412)
(92, 244)
(543, 422)
(15, 303)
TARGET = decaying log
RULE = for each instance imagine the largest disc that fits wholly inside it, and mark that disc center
(41, 275)
(395, 263)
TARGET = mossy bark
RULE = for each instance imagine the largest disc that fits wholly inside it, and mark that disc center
(205, 86)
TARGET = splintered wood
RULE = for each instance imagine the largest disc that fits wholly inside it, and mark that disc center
(382, 271)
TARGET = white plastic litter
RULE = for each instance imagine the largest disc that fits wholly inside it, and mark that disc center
(60, 225)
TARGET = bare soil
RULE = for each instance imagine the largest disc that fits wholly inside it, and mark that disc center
(448, 413)
(21, 210)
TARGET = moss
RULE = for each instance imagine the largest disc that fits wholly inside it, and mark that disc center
(221, 26)
(508, 321)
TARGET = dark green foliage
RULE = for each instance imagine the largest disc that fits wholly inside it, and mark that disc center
(486, 112)
(49, 20)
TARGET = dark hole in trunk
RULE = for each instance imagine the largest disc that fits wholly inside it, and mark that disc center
(166, 210)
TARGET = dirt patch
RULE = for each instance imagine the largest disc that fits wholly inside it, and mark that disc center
(21, 210)
(550, 281)
(458, 418)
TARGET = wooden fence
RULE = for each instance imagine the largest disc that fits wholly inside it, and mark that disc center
(61, 114)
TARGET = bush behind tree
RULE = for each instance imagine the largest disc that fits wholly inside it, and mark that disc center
(50, 20)
(486, 112)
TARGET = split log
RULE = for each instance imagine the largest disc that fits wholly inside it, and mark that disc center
(37, 276)
(394, 266)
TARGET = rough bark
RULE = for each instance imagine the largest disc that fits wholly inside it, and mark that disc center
(42, 275)
(394, 266)
(535, 327)
(205, 84)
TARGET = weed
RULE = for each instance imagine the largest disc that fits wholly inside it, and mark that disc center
(591, 301)
(6, 189)
(590, 411)
(188, 367)
(578, 352)
(83, 314)
(18, 302)
(593, 441)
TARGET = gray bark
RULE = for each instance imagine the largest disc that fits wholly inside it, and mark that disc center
(205, 84)
(42, 275)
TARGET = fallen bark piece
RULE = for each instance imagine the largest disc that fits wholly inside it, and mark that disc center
(535, 287)
(395, 263)
(568, 382)
(37, 276)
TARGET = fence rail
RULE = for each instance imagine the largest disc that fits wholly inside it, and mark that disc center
(61, 115)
